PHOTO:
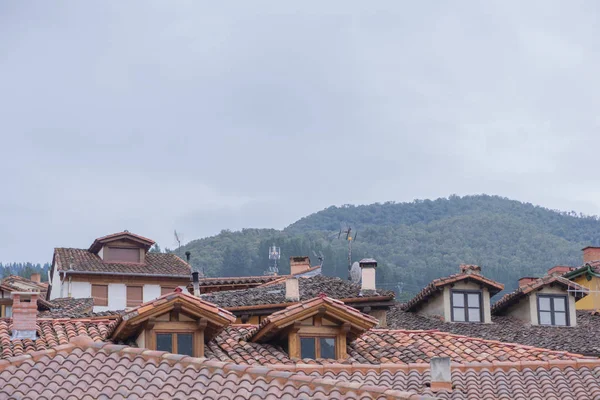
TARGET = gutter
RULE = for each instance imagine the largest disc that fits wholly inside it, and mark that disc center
(123, 274)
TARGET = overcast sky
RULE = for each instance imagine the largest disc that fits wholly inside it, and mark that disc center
(200, 116)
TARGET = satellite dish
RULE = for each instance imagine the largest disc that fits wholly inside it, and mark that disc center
(355, 272)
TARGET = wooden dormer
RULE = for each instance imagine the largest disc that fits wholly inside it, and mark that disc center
(316, 328)
(176, 322)
(122, 247)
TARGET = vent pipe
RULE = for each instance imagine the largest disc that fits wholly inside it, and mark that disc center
(196, 282)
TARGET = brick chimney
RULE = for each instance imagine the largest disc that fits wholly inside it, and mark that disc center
(35, 277)
(292, 289)
(470, 269)
(299, 264)
(367, 268)
(526, 280)
(24, 315)
(591, 253)
(441, 377)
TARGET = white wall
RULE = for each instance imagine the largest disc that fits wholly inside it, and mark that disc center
(78, 289)
(8, 311)
(151, 292)
(57, 290)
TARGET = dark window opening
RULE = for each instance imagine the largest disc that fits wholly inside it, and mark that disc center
(466, 306)
(553, 310)
(317, 347)
(177, 343)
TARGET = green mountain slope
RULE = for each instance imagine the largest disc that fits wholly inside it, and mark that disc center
(414, 242)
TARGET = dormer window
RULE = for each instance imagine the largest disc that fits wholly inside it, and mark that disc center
(318, 328)
(553, 310)
(467, 306)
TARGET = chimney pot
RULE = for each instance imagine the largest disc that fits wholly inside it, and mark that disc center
(591, 253)
(24, 315)
(299, 264)
(35, 277)
(292, 289)
(367, 268)
(441, 376)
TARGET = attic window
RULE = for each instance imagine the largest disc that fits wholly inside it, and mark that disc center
(466, 306)
(552, 310)
(317, 347)
(122, 254)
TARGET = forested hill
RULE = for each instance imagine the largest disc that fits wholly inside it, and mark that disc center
(413, 242)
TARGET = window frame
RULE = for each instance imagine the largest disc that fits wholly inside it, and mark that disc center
(552, 311)
(94, 297)
(316, 338)
(173, 326)
(465, 293)
(127, 301)
(174, 346)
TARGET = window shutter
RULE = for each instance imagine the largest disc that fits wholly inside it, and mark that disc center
(134, 296)
(100, 295)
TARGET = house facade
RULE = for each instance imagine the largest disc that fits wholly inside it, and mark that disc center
(117, 271)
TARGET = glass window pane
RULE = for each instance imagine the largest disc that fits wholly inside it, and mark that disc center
(474, 315)
(184, 344)
(559, 303)
(307, 347)
(327, 347)
(164, 342)
(544, 303)
(560, 319)
(473, 299)
(458, 299)
(459, 314)
(545, 318)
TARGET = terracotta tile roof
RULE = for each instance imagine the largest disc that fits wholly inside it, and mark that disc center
(332, 308)
(380, 346)
(19, 284)
(69, 307)
(582, 339)
(97, 370)
(160, 264)
(237, 280)
(438, 284)
(518, 381)
(511, 298)
(275, 294)
(52, 332)
(216, 317)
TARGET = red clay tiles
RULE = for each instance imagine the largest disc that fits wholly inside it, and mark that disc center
(84, 370)
(80, 260)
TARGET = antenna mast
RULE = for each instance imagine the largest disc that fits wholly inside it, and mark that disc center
(274, 256)
(349, 238)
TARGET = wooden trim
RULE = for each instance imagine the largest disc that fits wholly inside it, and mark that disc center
(129, 280)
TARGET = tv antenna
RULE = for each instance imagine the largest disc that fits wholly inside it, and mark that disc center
(346, 232)
(355, 272)
(320, 257)
(178, 239)
(274, 256)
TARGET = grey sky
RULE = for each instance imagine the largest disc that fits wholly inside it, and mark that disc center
(202, 116)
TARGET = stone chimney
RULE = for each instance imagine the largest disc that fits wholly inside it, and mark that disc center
(441, 377)
(470, 269)
(24, 315)
(367, 268)
(591, 253)
(292, 289)
(526, 280)
(299, 264)
(35, 277)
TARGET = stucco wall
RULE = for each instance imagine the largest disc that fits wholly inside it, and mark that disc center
(434, 306)
(78, 289)
(57, 289)
(151, 292)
